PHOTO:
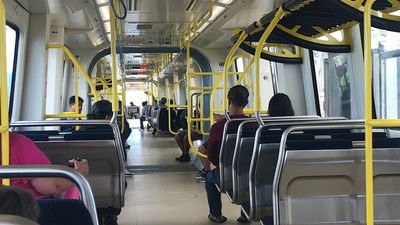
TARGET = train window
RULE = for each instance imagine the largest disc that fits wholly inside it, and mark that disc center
(386, 73)
(333, 73)
(12, 35)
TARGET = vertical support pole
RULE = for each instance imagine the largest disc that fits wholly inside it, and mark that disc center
(5, 153)
(369, 178)
(113, 63)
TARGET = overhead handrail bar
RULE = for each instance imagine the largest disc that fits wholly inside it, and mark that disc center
(36, 171)
(5, 153)
(77, 64)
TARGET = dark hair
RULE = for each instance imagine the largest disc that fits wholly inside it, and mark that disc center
(72, 100)
(163, 100)
(144, 103)
(171, 102)
(238, 95)
(100, 110)
(280, 105)
(19, 202)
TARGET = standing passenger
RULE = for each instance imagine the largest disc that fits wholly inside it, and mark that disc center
(237, 100)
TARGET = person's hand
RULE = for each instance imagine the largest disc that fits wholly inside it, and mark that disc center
(218, 117)
(81, 166)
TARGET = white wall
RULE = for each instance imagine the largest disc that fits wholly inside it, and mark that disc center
(33, 96)
(290, 82)
(20, 17)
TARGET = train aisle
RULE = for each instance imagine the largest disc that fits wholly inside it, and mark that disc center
(162, 190)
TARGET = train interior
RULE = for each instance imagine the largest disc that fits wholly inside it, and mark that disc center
(166, 67)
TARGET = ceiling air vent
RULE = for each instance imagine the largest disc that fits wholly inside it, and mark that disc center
(144, 26)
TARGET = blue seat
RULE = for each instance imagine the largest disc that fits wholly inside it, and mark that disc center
(357, 136)
(319, 144)
(292, 137)
(386, 143)
(37, 137)
(89, 136)
(35, 132)
(63, 212)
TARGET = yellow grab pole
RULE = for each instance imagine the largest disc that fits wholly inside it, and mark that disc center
(215, 87)
(369, 179)
(242, 36)
(113, 62)
(76, 94)
(279, 14)
(123, 106)
(5, 145)
(244, 74)
(76, 63)
(170, 106)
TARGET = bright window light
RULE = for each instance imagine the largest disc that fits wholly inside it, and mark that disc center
(338, 35)
(217, 10)
(109, 37)
(107, 27)
(99, 2)
(225, 1)
(105, 12)
(203, 27)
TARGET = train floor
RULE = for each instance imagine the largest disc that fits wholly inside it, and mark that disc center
(162, 190)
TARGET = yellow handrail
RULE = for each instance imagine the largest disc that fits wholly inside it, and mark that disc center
(76, 63)
(227, 64)
(278, 15)
(369, 179)
(5, 145)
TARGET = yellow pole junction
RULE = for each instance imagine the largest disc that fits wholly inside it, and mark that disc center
(279, 14)
(76, 63)
(5, 145)
(369, 179)
(113, 62)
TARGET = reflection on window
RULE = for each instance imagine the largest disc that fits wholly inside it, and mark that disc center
(11, 37)
(386, 70)
(333, 82)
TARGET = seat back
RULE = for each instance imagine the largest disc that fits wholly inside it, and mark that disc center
(104, 160)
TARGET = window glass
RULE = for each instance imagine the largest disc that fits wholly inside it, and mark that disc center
(386, 70)
(11, 36)
(333, 73)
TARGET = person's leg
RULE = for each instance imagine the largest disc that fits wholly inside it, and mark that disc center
(185, 157)
(179, 141)
(141, 122)
(214, 197)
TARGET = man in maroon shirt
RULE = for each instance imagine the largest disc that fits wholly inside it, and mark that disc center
(237, 100)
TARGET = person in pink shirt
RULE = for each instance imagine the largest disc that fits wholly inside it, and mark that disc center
(24, 152)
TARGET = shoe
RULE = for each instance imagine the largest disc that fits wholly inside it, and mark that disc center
(242, 219)
(201, 180)
(214, 219)
(184, 158)
(202, 173)
(179, 158)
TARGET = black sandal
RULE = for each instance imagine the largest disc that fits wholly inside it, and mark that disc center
(242, 219)
(214, 219)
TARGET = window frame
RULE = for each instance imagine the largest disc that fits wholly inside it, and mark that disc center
(14, 69)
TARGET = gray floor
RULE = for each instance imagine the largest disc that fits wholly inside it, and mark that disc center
(162, 190)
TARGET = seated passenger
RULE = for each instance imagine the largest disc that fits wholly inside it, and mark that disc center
(24, 152)
(280, 105)
(72, 108)
(145, 114)
(237, 100)
(127, 130)
(18, 202)
(181, 138)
